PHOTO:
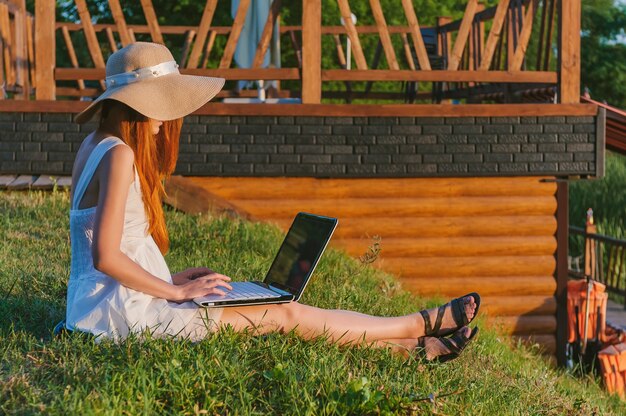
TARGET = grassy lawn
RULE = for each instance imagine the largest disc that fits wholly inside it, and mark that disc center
(239, 373)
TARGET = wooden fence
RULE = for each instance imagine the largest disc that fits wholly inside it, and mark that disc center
(484, 56)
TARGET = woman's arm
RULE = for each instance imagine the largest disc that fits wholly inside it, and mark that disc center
(115, 175)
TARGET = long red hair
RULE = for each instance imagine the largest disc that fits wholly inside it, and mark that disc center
(155, 160)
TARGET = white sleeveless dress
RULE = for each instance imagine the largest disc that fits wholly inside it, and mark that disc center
(99, 304)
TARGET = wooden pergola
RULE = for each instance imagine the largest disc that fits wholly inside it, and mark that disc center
(483, 57)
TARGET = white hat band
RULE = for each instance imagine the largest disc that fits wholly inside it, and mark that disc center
(165, 68)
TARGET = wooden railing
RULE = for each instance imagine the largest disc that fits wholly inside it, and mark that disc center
(603, 260)
(17, 67)
(486, 56)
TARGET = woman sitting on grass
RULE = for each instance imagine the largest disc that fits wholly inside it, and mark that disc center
(119, 280)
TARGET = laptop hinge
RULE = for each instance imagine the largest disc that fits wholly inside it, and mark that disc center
(279, 290)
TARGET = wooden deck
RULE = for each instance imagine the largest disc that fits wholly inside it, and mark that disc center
(441, 237)
(40, 182)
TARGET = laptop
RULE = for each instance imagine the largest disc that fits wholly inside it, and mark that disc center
(290, 271)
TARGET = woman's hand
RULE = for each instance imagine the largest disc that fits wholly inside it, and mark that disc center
(185, 276)
(202, 284)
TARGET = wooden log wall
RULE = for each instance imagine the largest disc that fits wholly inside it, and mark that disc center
(442, 236)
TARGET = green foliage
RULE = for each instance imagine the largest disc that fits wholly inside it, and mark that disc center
(603, 50)
(238, 373)
(606, 196)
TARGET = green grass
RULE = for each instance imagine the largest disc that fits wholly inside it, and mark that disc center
(607, 198)
(232, 373)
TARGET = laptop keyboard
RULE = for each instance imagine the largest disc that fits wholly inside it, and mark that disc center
(246, 290)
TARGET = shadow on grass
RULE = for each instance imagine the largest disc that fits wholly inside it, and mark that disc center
(32, 315)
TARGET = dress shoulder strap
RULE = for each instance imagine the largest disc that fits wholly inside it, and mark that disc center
(90, 167)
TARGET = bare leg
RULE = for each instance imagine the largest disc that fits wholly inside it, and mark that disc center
(309, 322)
(338, 325)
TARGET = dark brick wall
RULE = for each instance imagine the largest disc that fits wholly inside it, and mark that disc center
(334, 146)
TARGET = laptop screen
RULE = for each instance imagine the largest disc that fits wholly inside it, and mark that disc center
(298, 255)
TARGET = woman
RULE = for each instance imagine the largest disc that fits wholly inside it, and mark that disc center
(119, 281)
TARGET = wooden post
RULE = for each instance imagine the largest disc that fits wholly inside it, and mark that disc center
(562, 237)
(120, 22)
(569, 51)
(21, 50)
(311, 51)
(153, 22)
(203, 30)
(235, 32)
(45, 60)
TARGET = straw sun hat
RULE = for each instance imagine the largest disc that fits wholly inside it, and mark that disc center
(145, 77)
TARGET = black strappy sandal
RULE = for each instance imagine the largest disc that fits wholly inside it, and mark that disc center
(458, 314)
(455, 343)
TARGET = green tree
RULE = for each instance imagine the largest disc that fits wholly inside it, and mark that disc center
(603, 68)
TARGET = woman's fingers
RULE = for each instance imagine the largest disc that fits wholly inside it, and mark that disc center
(207, 283)
(215, 276)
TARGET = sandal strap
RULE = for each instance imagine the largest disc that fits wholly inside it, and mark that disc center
(440, 312)
(421, 342)
(458, 312)
(451, 346)
(428, 329)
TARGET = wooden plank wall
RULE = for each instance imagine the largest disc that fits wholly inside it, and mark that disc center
(442, 237)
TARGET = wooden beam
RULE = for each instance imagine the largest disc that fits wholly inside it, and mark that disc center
(266, 36)
(524, 37)
(72, 53)
(230, 73)
(356, 110)
(383, 32)
(444, 38)
(131, 33)
(569, 51)
(7, 41)
(510, 44)
(111, 39)
(21, 51)
(186, 46)
(209, 47)
(551, 16)
(90, 33)
(407, 52)
(357, 50)
(153, 22)
(561, 272)
(203, 30)
(2, 80)
(443, 76)
(416, 34)
(494, 35)
(461, 38)
(120, 22)
(45, 58)
(340, 54)
(312, 52)
(30, 43)
(233, 38)
(475, 41)
(183, 194)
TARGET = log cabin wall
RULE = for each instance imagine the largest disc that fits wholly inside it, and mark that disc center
(462, 200)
